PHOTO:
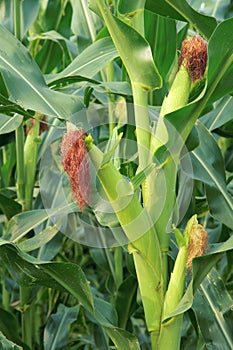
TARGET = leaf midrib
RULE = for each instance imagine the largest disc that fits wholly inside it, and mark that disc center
(30, 85)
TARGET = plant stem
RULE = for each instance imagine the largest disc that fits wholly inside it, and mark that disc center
(5, 294)
(177, 98)
(111, 99)
(19, 140)
(143, 242)
(142, 124)
(26, 316)
(18, 19)
(118, 265)
(170, 333)
(19, 133)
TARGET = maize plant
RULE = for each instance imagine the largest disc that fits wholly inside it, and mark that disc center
(116, 174)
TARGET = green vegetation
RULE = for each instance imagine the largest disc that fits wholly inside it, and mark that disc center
(116, 174)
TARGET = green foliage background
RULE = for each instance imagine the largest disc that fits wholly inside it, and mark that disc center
(57, 293)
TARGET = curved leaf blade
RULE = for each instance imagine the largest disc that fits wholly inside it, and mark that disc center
(181, 10)
(28, 271)
(56, 329)
(26, 83)
(208, 167)
(90, 61)
(133, 49)
(7, 344)
(219, 115)
(213, 306)
(8, 124)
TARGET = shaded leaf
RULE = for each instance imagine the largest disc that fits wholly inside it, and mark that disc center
(22, 223)
(8, 206)
(106, 315)
(8, 124)
(213, 307)
(29, 13)
(10, 328)
(125, 306)
(56, 329)
(39, 240)
(90, 61)
(28, 271)
(208, 167)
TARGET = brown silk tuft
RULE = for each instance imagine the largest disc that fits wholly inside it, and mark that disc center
(76, 165)
(194, 56)
(198, 243)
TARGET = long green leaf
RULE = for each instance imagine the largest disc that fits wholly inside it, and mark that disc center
(39, 240)
(133, 49)
(56, 329)
(28, 271)
(69, 277)
(208, 167)
(220, 115)
(7, 344)
(85, 24)
(29, 12)
(90, 61)
(213, 306)
(181, 10)
(26, 83)
(10, 328)
(8, 124)
(22, 223)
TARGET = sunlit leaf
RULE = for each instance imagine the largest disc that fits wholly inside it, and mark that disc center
(90, 61)
(26, 83)
(133, 50)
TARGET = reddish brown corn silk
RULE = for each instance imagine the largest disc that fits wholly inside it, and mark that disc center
(194, 57)
(76, 165)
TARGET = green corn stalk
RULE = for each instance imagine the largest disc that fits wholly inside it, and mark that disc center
(133, 218)
(170, 333)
